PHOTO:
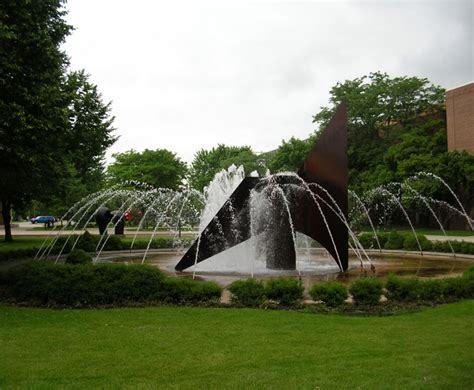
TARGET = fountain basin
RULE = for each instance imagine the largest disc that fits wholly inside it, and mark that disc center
(315, 266)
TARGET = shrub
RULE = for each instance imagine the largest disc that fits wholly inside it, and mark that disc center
(46, 283)
(431, 290)
(366, 291)
(394, 241)
(156, 243)
(78, 256)
(113, 243)
(402, 289)
(458, 246)
(331, 293)
(383, 237)
(455, 288)
(367, 240)
(286, 292)
(469, 273)
(250, 292)
(87, 242)
(441, 246)
(18, 254)
(410, 243)
(183, 291)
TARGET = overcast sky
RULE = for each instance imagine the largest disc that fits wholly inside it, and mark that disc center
(189, 75)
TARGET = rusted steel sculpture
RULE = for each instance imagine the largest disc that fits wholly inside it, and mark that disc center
(317, 208)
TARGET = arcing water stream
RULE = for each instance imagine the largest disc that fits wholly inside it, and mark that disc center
(185, 210)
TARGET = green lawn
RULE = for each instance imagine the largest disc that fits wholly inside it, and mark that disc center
(27, 242)
(21, 242)
(236, 348)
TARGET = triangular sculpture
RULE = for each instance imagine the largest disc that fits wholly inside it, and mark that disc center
(319, 212)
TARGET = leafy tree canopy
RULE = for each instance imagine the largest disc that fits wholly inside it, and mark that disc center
(397, 128)
(380, 109)
(90, 124)
(33, 109)
(54, 128)
(290, 154)
(207, 163)
(159, 168)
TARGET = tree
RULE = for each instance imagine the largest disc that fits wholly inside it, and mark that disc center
(90, 131)
(207, 163)
(290, 154)
(379, 108)
(397, 128)
(159, 168)
(33, 107)
(86, 138)
(54, 127)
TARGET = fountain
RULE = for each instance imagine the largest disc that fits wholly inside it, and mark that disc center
(272, 209)
(262, 226)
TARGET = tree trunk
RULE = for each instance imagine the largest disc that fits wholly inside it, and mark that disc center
(6, 214)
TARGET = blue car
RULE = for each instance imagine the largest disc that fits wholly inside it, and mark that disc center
(43, 219)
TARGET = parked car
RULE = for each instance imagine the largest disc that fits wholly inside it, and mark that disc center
(43, 219)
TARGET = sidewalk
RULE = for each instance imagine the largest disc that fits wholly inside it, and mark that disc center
(26, 229)
(450, 238)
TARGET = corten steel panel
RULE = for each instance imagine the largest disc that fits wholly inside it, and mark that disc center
(325, 166)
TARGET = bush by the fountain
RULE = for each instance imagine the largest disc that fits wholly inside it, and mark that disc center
(187, 291)
(410, 243)
(394, 241)
(431, 290)
(44, 283)
(287, 292)
(332, 294)
(87, 242)
(456, 288)
(407, 241)
(366, 291)
(368, 240)
(402, 289)
(249, 292)
(78, 256)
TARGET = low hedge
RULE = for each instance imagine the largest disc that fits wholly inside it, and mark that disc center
(78, 256)
(249, 292)
(45, 283)
(286, 292)
(394, 241)
(407, 241)
(366, 291)
(332, 294)
(88, 243)
(433, 290)
(401, 289)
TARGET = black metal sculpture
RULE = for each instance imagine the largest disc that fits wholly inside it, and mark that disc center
(103, 216)
(318, 208)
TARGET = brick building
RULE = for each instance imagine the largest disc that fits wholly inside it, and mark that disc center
(460, 116)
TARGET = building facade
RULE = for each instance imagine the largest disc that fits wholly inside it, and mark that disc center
(460, 117)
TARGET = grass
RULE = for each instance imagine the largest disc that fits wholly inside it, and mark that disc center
(21, 242)
(27, 242)
(235, 348)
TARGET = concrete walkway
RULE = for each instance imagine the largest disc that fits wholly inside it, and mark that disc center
(450, 238)
(29, 229)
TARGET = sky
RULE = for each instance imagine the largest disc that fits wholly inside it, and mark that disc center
(185, 75)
